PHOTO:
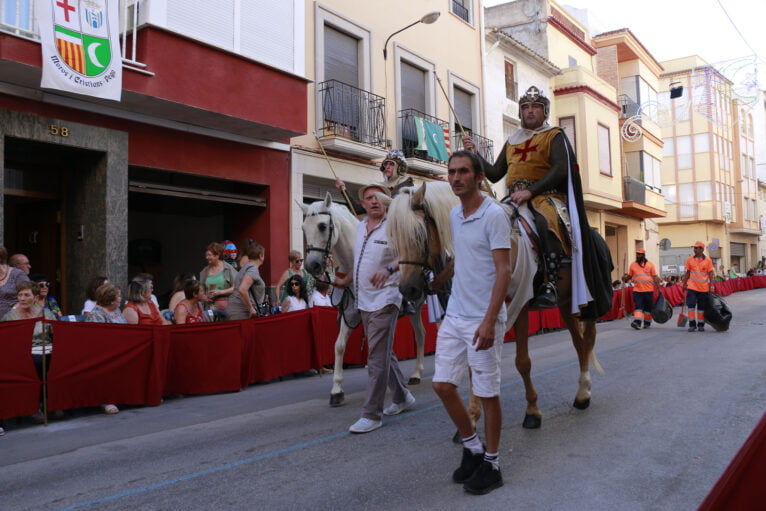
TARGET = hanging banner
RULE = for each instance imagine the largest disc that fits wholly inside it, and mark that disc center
(80, 41)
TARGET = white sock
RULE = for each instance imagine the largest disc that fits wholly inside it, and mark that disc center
(473, 444)
(492, 458)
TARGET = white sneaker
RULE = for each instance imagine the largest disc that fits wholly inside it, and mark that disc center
(365, 425)
(397, 408)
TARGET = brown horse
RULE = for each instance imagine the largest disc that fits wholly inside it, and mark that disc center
(418, 222)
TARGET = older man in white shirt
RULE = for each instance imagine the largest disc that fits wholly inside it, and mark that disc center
(375, 283)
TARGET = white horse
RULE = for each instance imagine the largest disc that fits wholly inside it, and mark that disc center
(419, 226)
(330, 229)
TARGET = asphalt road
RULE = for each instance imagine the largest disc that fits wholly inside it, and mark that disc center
(664, 422)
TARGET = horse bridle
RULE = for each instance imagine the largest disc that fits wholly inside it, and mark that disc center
(326, 250)
(425, 268)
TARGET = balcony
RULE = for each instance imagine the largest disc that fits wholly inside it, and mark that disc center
(352, 120)
(418, 157)
(641, 201)
(628, 107)
(459, 10)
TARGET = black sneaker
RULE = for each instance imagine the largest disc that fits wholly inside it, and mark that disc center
(647, 324)
(486, 479)
(636, 324)
(701, 328)
(692, 327)
(468, 466)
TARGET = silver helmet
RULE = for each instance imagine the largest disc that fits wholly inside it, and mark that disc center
(398, 158)
(535, 96)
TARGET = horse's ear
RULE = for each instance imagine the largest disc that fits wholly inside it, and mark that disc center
(419, 196)
(328, 200)
(383, 198)
(304, 207)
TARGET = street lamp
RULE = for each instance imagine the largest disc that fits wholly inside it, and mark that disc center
(427, 19)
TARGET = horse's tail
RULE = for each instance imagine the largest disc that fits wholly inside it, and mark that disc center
(596, 365)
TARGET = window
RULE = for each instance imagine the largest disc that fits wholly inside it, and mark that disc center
(463, 110)
(701, 143)
(704, 191)
(568, 125)
(669, 191)
(604, 151)
(17, 14)
(413, 87)
(652, 174)
(668, 147)
(572, 61)
(341, 60)
(508, 128)
(462, 9)
(686, 200)
(510, 82)
(684, 150)
(633, 165)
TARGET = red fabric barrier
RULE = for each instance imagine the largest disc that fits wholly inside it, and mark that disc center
(204, 358)
(19, 383)
(97, 363)
(283, 344)
(741, 485)
(674, 294)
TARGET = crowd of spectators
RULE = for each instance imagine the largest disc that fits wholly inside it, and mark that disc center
(231, 289)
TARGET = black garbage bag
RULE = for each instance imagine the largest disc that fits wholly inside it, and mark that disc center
(662, 311)
(718, 314)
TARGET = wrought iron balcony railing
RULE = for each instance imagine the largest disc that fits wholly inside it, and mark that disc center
(411, 142)
(628, 107)
(352, 113)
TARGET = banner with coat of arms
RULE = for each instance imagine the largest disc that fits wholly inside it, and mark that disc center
(80, 41)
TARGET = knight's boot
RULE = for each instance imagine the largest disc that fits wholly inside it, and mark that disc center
(546, 296)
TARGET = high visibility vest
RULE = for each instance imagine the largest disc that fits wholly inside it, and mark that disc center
(699, 273)
(642, 276)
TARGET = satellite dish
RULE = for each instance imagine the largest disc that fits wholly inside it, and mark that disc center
(664, 244)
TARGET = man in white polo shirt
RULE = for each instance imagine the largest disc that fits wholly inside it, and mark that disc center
(375, 283)
(471, 334)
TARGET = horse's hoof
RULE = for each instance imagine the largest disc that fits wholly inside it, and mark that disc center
(581, 405)
(531, 421)
(457, 438)
(336, 399)
(413, 381)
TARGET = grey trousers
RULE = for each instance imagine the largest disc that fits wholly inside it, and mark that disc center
(382, 367)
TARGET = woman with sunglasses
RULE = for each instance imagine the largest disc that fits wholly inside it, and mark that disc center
(42, 299)
(297, 299)
(295, 268)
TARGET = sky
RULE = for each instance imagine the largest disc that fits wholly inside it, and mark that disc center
(671, 29)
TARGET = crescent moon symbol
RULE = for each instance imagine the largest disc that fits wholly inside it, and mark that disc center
(92, 54)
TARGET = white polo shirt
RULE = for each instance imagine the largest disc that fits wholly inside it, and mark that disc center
(372, 252)
(475, 237)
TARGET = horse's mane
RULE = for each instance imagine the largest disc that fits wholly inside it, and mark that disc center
(404, 226)
(440, 200)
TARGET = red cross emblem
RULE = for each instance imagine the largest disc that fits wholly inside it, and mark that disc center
(65, 5)
(527, 149)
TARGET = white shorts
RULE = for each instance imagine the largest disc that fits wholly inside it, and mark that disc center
(455, 353)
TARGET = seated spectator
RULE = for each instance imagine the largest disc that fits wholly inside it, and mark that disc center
(217, 277)
(41, 335)
(190, 310)
(21, 262)
(178, 289)
(150, 278)
(90, 294)
(10, 278)
(43, 300)
(296, 262)
(296, 299)
(320, 295)
(140, 310)
(250, 288)
(107, 310)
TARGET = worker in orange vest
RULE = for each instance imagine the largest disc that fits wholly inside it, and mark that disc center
(645, 280)
(698, 283)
